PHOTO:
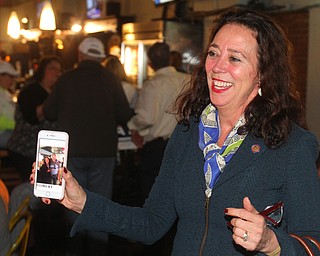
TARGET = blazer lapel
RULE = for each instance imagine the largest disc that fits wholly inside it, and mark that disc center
(251, 149)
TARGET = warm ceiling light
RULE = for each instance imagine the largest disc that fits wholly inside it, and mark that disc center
(47, 19)
(76, 28)
(31, 34)
(58, 32)
(24, 20)
(94, 26)
(13, 28)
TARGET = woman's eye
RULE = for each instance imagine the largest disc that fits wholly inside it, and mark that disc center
(211, 53)
(234, 59)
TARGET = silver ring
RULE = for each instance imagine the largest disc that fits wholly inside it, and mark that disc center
(245, 236)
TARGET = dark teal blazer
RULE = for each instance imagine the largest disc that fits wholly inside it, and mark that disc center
(265, 175)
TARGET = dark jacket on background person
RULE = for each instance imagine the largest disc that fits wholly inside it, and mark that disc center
(265, 175)
(24, 137)
(89, 110)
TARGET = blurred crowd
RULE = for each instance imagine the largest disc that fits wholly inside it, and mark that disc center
(118, 133)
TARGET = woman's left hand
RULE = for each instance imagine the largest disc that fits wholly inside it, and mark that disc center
(250, 229)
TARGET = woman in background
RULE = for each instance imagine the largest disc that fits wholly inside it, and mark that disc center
(114, 65)
(28, 117)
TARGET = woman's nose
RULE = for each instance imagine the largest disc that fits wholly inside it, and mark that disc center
(220, 65)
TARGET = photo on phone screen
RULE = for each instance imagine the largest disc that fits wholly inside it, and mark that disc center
(52, 151)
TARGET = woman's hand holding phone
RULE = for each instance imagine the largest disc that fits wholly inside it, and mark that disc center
(74, 196)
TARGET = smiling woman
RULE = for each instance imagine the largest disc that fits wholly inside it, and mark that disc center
(251, 149)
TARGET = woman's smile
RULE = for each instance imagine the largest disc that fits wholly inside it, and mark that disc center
(220, 86)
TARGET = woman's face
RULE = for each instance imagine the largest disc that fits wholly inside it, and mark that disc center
(53, 72)
(232, 68)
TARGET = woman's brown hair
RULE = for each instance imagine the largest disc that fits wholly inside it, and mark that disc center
(271, 115)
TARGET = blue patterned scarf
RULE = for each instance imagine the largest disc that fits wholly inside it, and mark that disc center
(215, 157)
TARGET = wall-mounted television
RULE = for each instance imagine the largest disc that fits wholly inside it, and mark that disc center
(95, 9)
(162, 2)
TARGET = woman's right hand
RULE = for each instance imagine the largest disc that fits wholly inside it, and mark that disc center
(74, 196)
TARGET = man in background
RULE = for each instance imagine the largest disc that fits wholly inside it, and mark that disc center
(89, 103)
(153, 125)
(7, 106)
(176, 61)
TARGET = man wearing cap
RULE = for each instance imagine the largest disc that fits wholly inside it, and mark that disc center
(7, 81)
(88, 103)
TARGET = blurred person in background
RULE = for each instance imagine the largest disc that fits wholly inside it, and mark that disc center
(176, 61)
(153, 125)
(89, 103)
(7, 106)
(28, 114)
(114, 65)
(125, 174)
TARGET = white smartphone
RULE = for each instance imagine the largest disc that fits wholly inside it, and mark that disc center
(51, 158)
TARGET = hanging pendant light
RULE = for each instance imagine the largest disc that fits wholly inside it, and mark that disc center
(47, 19)
(13, 29)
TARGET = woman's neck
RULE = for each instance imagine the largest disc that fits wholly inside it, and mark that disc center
(227, 121)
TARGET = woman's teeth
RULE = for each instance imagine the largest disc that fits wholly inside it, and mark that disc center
(222, 85)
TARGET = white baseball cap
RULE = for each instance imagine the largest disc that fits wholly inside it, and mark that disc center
(92, 47)
(7, 68)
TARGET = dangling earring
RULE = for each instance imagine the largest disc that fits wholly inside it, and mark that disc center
(260, 92)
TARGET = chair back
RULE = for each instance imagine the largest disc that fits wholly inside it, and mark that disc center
(23, 207)
(24, 217)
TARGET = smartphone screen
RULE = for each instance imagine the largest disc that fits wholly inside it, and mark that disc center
(51, 158)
